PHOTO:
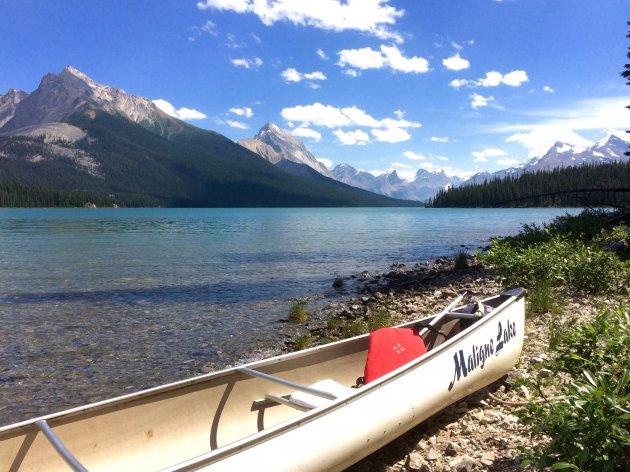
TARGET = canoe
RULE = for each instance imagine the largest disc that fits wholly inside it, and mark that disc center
(291, 412)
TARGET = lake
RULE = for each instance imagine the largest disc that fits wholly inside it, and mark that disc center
(100, 302)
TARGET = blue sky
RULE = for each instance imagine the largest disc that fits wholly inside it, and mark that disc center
(461, 85)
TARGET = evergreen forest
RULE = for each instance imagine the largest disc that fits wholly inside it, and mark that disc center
(593, 185)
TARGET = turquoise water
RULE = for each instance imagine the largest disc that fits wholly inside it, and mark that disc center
(96, 303)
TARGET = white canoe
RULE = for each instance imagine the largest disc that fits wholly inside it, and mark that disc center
(237, 419)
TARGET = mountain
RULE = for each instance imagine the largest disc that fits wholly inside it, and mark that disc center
(424, 185)
(8, 104)
(74, 133)
(278, 146)
(562, 155)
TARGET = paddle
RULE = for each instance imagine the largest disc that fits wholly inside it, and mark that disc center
(443, 313)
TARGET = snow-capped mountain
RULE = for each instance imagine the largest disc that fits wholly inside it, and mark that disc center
(59, 96)
(561, 155)
(424, 185)
(277, 145)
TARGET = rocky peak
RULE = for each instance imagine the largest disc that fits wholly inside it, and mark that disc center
(61, 95)
(8, 104)
(279, 145)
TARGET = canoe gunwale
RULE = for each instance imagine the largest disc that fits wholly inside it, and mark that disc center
(255, 439)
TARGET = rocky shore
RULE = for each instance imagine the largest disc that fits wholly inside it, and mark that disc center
(480, 432)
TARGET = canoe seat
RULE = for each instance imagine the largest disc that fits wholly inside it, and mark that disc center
(310, 401)
(304, 401)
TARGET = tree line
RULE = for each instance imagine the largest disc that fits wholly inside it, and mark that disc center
(17, 195)
(586, 185)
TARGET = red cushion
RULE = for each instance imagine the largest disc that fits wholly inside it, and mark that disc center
(389, 349)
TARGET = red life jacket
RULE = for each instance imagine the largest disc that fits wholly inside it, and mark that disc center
(391, 348)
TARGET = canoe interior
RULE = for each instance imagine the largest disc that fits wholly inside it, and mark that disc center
(161, 427)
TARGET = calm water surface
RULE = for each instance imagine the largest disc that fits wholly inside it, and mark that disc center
(97, 303)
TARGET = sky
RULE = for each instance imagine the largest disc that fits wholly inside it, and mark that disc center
(461, 85)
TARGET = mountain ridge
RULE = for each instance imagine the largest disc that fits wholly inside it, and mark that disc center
(73, 133)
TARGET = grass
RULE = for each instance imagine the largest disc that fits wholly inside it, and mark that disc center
(298, 312)
(542, 298)
(461, 260)
(303, 341)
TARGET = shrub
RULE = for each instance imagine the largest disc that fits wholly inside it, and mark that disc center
(297, 312)
(338, 282)
(589, 427)
(558, 261)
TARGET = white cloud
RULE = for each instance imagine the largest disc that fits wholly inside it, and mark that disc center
(315, 75)
(253, 63)
(401, 165)
(398, 62)
(539, 140)
(387, 56)
(374, 17)
(327, 162)
(359, 117)
(364, 58)
(391, 135)
(563, 124)
(321, 54)
(438, 139)
(414, 156)
(243, 111)
(515, 78)
(456, 63)
(441, 158)
(493, 79)
(351, 72)
(479, 101)
(237, 124)
(302, 132)
(292, 75)
(181, 113)
(399, 114)
(210, 28)
(386, 130)
(316, 114)
(548, 89)
(357, 137)
(457, 83)
(482, 156)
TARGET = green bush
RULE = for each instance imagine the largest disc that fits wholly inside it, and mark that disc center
(588, 428)
(559, 261)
